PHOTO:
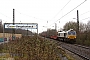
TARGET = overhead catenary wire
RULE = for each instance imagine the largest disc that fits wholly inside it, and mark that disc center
(85, 12)
(29, 15)
(70, 11)
(62, 8)
(5, 15)
(4, 20)
(86, 18)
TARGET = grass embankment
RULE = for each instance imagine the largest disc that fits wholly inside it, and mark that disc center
(5, 56)
(31, 48)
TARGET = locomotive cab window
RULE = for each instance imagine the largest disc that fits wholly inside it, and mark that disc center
(72, 33)
(65, 34)
(59, 34)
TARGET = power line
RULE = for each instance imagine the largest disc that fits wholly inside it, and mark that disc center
(29, 15)
(85, 12)
(5, 15)
(85, 18)
(62, 8)
(3, 19)
(70, 11)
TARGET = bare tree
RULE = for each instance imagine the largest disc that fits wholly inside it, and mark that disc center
(70, 25)
(82, 27)
(88, 26)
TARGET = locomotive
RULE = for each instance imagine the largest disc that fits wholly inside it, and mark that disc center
(67, 36)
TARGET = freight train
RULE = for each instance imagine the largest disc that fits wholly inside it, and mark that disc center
(66, 36)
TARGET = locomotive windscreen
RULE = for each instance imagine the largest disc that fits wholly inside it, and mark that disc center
(71, 33)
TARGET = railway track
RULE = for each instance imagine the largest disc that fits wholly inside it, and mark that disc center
(82, 51)
(82, 46)
(79, 50)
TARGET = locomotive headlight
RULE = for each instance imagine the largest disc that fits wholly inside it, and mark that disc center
(75, 36)
(68, 36)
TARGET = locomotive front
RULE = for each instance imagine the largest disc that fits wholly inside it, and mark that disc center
(71, 35)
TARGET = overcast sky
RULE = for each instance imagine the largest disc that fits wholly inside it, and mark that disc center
(41, 11)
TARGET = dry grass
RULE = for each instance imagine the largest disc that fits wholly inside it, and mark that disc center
(29, 48)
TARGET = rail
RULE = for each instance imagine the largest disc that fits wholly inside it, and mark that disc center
(82, 51)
